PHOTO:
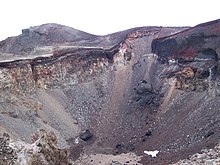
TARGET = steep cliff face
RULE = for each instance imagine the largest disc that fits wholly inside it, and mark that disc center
(192, 55)
(133, 90)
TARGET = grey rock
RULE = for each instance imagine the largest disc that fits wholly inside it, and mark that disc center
(86, 135)
(115, 163)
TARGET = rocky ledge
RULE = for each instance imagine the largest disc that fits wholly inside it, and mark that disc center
(43, 150)
(192, 55)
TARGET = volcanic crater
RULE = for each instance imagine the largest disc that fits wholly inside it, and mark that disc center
(107, 99)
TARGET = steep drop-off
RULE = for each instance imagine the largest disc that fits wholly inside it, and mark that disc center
(148, 88)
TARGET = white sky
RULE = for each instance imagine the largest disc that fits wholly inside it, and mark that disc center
(104, 16)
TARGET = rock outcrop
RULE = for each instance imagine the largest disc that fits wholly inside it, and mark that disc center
(7, 154)
(192, 55)
(206, 156)
(43, 150)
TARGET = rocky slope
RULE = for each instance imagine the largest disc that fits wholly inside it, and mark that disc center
(206, 156)
(147, 88)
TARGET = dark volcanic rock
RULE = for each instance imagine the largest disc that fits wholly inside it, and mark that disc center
(144, 87)
(195, 49)
(146, 95)
(188, 44)
(146, 136)
(130, 147)
(7, 154)
(119, 148)
(115, 163)
(86, 135)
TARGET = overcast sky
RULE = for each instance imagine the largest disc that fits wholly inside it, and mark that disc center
(104, 16)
